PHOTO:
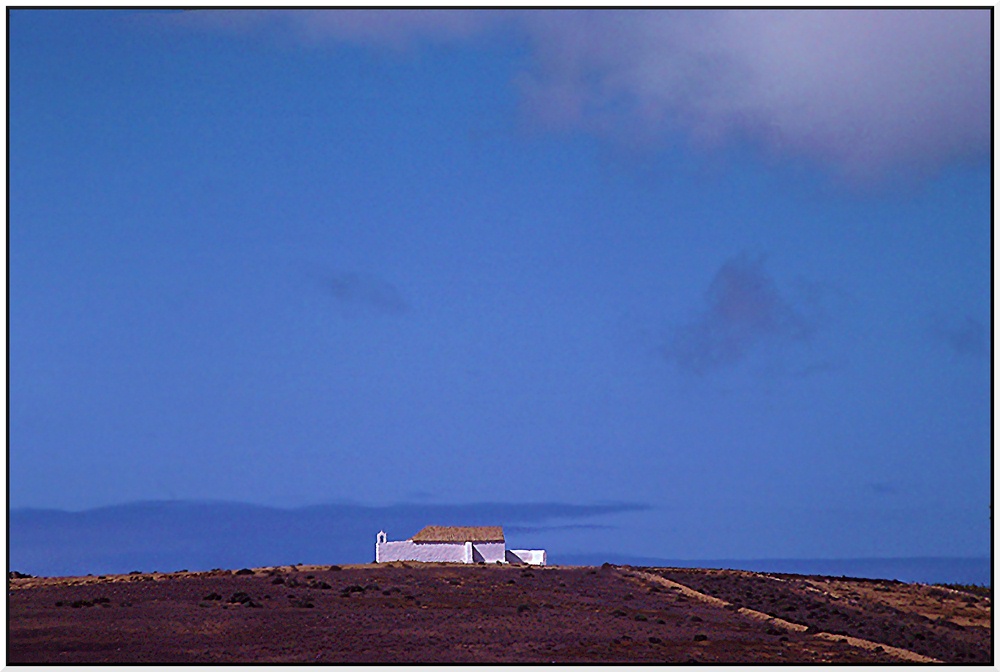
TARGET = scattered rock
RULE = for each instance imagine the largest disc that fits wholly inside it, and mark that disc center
(700, 637)
(240, 598)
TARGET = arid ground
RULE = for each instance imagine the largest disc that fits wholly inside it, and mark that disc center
(408, 612)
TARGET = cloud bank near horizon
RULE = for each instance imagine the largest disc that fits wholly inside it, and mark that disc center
(863, 92)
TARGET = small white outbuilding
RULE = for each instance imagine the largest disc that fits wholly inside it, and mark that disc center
(438, 543)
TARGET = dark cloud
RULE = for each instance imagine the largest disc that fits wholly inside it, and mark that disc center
(883, 488)
(202, 535)
(539, 529)
(818, 368)
(744, 310)
(968, 338)
(867, 92)
(361, 291)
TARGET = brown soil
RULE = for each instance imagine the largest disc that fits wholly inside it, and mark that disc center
(410, 612)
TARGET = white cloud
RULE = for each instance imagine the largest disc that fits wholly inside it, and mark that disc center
(865, 92)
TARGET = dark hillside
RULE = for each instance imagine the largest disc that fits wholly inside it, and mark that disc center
(410, 612)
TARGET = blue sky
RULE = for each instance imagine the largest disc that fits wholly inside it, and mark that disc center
(730, 266)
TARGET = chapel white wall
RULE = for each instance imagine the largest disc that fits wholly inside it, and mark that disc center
(389, 551)
(489, 552)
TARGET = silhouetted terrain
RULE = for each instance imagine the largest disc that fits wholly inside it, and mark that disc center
(910, 570)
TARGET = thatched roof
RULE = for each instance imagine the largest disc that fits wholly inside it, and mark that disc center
(443, 533)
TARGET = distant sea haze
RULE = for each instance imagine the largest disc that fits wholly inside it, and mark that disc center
(197, 536)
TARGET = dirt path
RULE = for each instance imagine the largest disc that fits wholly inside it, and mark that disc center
(774, 621)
